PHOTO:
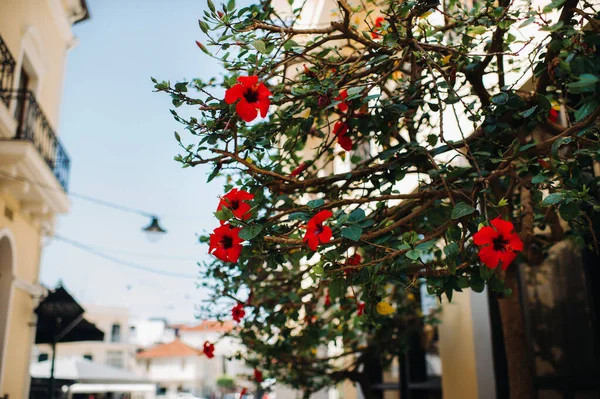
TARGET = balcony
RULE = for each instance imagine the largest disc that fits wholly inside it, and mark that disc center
(33, 126)
(34, 166)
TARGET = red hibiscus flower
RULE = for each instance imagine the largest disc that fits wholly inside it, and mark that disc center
(238, 312)
(360, 308)
(553, 115)
(243, 392)
(235, 200)
(340, 129)
(377, 27)
(225, 243)
(253, 97)
(327, 300)
(301, 168)
(209, 350)
(315, 231)
(343, 106)
(258, 377)
(499, 243)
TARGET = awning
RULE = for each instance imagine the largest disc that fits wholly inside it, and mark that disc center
(102, 388)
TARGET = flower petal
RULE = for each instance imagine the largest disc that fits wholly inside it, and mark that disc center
(248, 81)
(503, 227)
(325, 235)
(507, 257)
(323, 215)
(345, 142)
(312, 240)
(263, 106)
(243, 211)
(234, 93)
(490, 257)
(244, 195)
(246, 111)
(515, 243)
(262, 91)
(485, 236)
(233, 253)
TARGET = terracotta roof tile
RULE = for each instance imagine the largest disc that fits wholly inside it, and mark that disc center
(210, 325)
(172, 349)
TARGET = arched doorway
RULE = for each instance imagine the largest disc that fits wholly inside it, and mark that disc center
(7, 273)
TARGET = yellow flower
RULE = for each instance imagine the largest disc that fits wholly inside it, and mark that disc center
(410, 296)
(384, 308)
(446, 59)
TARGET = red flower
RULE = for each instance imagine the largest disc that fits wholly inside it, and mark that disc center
(354, 260)
(360, 308)
(253, 97)
(343, 106)
(553, 115)
(327, 300)
(225, 243)
(499, 244)
(308, 72)
(315, 231)
(235, 201)
(243, 392)
(377, 27)
(258, 377)
(301, 168)
(209, 350)
(340, 129)
(238, 312)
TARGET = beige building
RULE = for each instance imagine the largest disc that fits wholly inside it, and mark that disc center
(35, 36)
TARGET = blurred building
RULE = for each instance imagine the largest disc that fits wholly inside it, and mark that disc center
(171, 356)
(116, 350)
(35, 37)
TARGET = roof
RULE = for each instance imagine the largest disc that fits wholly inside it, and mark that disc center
(172, 349)
(210, 326)
(83, 370)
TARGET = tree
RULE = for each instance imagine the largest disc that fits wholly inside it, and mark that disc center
(466, 147)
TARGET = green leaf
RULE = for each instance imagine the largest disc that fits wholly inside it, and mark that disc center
(556, 146)
(585, 110)
(553, 199)
(352, 233)
(586, 82)
(249, 232)
(462, 209)
(231, 5)
(223, 214)
(211, 5)
(529, 112)
(290, 44)
(537, 179)
(260, 46)
(553, 28)
(318, 270)
(356, 216)
(569, 211)
(315, 203)
(414, 254)
(337, 288)
(500, 98)
(451, 249)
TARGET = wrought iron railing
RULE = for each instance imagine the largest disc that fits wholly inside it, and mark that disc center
(33, 126)
(7, 69)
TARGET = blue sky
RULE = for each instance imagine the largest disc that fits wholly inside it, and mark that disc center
(119, 135)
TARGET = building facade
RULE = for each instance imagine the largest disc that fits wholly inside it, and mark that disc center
(35, 37)
(116, 350)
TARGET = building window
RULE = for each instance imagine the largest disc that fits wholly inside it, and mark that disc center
(88, 356)
(115, 335)
(115, 359)
(42, 357)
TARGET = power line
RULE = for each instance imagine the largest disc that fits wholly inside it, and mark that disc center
(147, 256)
(96, 252)
(81, 196)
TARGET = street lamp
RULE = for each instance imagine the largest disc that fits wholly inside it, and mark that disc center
(153, 231)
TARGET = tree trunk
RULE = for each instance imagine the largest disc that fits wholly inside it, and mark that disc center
(520, 376)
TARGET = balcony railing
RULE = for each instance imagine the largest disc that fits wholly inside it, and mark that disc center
(7, 69)
(33, 126)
